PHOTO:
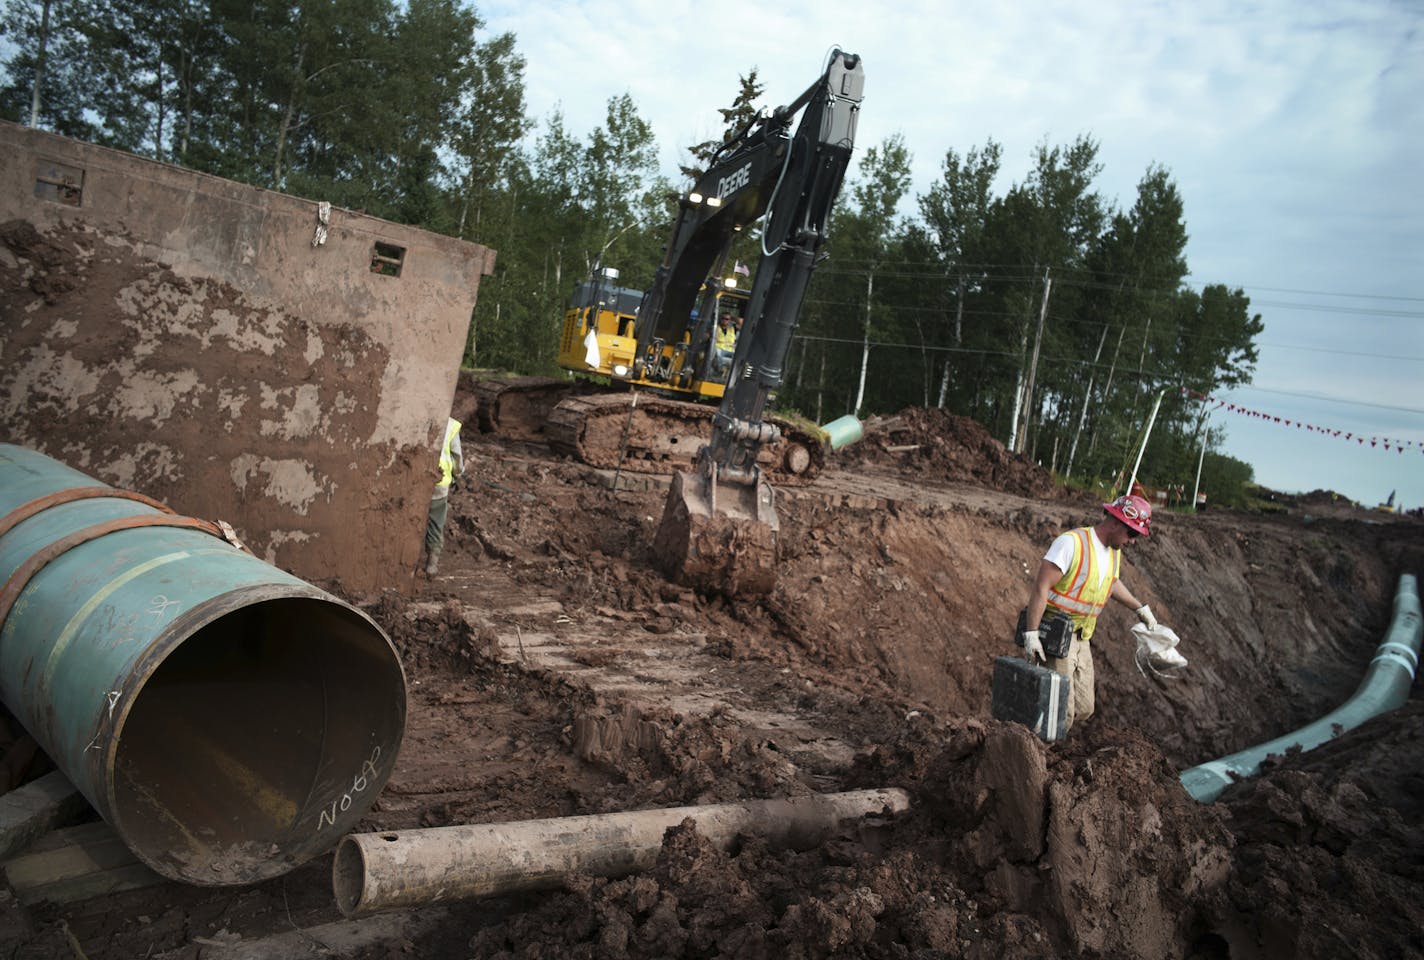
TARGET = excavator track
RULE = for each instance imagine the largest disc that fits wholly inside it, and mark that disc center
(519, 407)
(644, 433)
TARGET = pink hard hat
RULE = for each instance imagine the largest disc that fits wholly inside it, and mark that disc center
(1133, 511)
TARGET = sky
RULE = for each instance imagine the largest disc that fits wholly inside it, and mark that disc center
(1294, 132)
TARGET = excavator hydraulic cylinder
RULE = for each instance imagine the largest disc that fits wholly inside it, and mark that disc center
(228, 720)
(383, 871)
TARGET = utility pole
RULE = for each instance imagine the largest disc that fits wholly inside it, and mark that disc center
(1021, 435)
(865, 344)
(1146, 434)
(1107, 388)
(40, 66)
(821, 385)
(958, 339)
(1201, 428)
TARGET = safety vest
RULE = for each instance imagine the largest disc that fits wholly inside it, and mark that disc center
(447, 458)
(1080, 593)
(727, 338)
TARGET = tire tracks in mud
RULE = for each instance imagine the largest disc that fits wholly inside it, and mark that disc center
(615, 657)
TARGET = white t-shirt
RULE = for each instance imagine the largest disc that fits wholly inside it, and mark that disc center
(1060, 553)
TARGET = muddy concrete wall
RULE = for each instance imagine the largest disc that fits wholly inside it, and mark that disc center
(221, 348)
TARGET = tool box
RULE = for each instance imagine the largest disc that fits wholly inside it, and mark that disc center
(1032, 695)
(1055, 632)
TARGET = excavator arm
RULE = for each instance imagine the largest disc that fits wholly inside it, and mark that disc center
(719, 527)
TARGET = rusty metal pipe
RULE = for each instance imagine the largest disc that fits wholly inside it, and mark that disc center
(384, 871)
(227, 719)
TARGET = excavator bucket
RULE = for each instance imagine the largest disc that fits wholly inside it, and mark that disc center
(718, 537)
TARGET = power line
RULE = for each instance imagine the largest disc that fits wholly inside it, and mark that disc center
(1022, 273)
(1329, 293)
(1032, 280)
(1159, 376)
(1327, 399)
(1062, 320)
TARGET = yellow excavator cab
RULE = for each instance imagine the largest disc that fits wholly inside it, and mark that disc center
(598, 339)
(606, 311)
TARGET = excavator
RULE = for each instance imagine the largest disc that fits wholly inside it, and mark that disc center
(660, 429)
(719, 527)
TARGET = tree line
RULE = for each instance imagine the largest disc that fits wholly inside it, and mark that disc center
(1040, 309)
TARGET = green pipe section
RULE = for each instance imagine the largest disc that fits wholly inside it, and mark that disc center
(843, 431)
(1385, 687)
(228, 720)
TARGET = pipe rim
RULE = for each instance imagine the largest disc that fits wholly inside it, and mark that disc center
(168, 641)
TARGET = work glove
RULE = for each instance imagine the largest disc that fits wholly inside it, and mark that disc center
(1144, 613)
(1033, 646)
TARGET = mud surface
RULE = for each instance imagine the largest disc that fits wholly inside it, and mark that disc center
(553, 671)
(224, 399)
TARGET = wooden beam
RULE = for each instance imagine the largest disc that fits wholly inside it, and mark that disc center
(77, 863)
(36, 808)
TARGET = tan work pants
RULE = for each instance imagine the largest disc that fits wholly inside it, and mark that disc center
(1078, 668)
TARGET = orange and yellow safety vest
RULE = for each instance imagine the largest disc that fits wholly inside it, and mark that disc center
(1083, 591)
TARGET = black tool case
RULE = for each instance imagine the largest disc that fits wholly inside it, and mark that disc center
(1032, 695)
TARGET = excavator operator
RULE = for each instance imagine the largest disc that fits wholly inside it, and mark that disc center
(726, 343)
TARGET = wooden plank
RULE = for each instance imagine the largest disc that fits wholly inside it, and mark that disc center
(76, 864)
(343, 938)
(92, 832)
(29, 811)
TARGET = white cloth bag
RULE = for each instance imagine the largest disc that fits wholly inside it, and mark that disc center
(1158, 649)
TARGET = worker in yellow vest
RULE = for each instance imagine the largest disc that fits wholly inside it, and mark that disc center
(452, 467)
(1076, 578)
(725, 343)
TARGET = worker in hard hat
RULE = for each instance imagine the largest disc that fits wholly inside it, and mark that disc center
(452, 467)
(1076, 578)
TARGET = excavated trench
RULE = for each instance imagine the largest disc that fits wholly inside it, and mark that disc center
(554, 673)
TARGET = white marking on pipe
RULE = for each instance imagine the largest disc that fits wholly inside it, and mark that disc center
(66, 636)
(1222, 771)
(1404, 663)
(1402, 650)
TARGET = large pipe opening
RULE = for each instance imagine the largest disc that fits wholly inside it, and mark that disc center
(254, 737)
(229, 720)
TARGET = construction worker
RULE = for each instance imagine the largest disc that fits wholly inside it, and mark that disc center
(452, 467)
(1076, 578)
(726, 343)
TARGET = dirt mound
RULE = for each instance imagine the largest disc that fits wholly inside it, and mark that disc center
(551, 671)
(938, 446)
(1328, 847)
(1011, 850)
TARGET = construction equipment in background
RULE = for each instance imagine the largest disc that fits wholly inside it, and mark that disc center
(594, 417)
(652, 419)
(645, 360)
(719, 527)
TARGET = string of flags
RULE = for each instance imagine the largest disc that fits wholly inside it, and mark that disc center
(1388, 443)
